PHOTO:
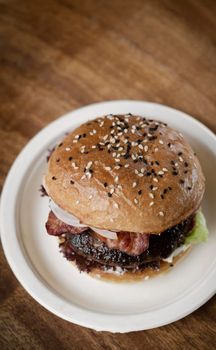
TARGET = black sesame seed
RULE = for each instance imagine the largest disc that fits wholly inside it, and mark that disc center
(170, 188)
(60, 144)
(105, 184)
(162, 196)
(70, 158)
(180, 153)
(91, 171)
(181, 181)
(57, 160)
(156, 162)
(152, 163)
(109, 194)
(148, 173)
(169, 144)
(72, 182)
(189, 188)
(151, 138)
(86, 152)
(54, 178)
(185, 172)
(140, 192)
(175, 173)
(165, 190)
(172, 162)
(79, 137)
(186, 164)
(84, 135)
(151, 187)
(135, 160)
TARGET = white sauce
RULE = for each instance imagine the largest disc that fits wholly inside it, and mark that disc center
(176, 252)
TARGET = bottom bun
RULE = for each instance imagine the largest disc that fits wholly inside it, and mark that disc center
(139, 275)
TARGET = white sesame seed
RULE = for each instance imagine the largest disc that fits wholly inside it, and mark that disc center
(76, 137)
(161, 142)
(83, 177)
(155, 179)
(133, 131)
(141, 146)
(133, 156)
(91, 133)
(181, 159)
(125, 131)
(93, 146)
(142, 170)
(134, 143)
(74, 141)
(116, 205)
(112, 190)
(88, 175)
(82, 150)
(88, 166)
(140, 174)
(90, 197)
(135, 201)
(136, 171)
(73, 164)
(109, 146)
(113, 123)
(107, 168)
(101, 124)
(77, 202)
(120, 149)
(146, 148)
(112, 140)
(154, 188)
(67, 149)
(156, 149)
(165, 169)
(151, 203)
(117, 160)
(120, 187)
(160, 172)
(151, 195)
(116, 179)
(145, 140)
(117, 167)
(114, 154)
(126, 165)
(111, 219)
(120, 133)
(105, 137)
(176, 164)
(94, 131)
(125, 141)
(118, 155)
(161, 213)
(112, 132)
(134, 184)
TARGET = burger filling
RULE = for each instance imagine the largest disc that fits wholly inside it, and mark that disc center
(130, 251)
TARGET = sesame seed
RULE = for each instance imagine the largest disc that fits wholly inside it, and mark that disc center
(151, 195)
(117, 160)
(156, 149)
(126, 165)
(117, 167)
(161, 142)
(135, 200)
(54, 178)
(154, 188)
(114, 154)
(88, 166)
(75, 141)
(161, 213)
(71, 182)
(67, 149)
(76, 137)
(160, 172)
(116, 205)
(120, 187)
(109, 194)
(139, 192)
(165, 169)
(90, 197)
(134, 184)
(94, 146)
(108, 168)
(94, 131)
(141, 147)
(155, 179)
(151, 203)
(105, 137)
(77, 202)
(181, 159)
(112, 190)
(116, 179)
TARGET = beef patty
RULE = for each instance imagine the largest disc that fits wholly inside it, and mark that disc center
(89, 252)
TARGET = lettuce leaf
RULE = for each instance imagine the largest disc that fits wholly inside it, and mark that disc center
(199, 232)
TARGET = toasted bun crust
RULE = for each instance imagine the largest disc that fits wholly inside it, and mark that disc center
(125, 173)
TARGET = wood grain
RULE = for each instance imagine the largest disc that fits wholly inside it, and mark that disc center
(58, 55)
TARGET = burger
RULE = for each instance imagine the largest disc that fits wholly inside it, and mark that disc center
(125, 195)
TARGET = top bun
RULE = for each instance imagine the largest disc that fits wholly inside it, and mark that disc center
(125, 173)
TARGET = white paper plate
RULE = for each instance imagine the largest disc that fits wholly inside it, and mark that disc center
(57, 285)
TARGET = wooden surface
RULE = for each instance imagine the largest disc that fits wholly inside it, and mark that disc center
(58, 55)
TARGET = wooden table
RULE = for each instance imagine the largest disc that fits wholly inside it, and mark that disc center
(58, 55)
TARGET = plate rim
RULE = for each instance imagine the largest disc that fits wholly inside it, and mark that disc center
(107, 326)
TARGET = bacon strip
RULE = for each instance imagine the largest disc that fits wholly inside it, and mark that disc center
(56, 227)
(128, 242)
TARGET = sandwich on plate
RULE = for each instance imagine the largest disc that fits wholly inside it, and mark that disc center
(125, 195)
